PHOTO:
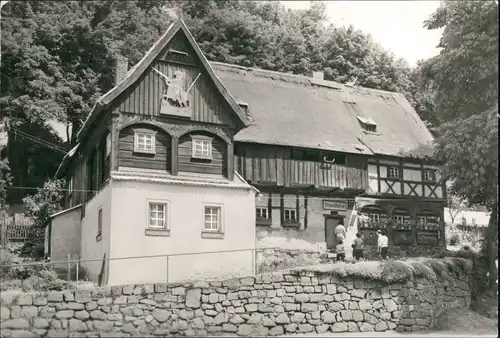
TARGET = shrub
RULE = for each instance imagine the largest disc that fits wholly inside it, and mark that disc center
(438, 267)
(454, 239)
(396, 271)
(421, 269)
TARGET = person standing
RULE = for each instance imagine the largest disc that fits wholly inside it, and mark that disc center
(339, 232)
(382, 244)
(340, 251)
(357, 246)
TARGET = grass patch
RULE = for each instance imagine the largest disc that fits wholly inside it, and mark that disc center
(393, 271)
(461, 321)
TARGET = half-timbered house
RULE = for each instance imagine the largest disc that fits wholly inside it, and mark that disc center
(322, 153)
(169, 162)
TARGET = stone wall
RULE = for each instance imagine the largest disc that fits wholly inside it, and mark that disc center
(269, 304)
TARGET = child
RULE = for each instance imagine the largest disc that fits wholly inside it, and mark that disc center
(339, 249)
(357, 246)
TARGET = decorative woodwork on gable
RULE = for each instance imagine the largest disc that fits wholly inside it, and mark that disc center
(179, 51)
(177, 85)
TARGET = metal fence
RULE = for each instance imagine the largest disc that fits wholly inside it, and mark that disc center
(79, 272)
(17, 231)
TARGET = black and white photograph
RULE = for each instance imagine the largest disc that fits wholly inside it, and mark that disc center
(247, 168)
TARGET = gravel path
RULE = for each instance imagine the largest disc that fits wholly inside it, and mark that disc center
(395, 334)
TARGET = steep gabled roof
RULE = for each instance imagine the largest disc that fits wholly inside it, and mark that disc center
(295, 110)
(135, 72)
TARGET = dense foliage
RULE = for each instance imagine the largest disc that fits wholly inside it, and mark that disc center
(58, 57)
(45, 202)
(464, 80)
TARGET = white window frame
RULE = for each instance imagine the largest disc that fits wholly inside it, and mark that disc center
(219, 221)
(165, 219)
(393, 172)
(374, 217)
(401, 219)
(138, 133)
(201, 147)
(292, 215)
(429, 176)
(260, 211)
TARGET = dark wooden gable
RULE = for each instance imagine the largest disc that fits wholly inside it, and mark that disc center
(188, 92)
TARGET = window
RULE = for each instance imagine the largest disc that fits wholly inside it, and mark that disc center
(429, 176)
(213, 222)
(290, 216)
(331, 157)
(367, 124)
(99, 225)
(144, 141)
(422, 220)
(374, 217)
(393, 172)
(400, 219)
(304, 155)
(157, 215)
(262, 213)
(202, 147)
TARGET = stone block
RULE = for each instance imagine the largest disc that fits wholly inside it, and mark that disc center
(352, 327)
(381, 326)
(65, 314)
(339, 327)
(55, 297)
(16, 324)
(309, 307)
(304, 328)
(25, 300)
(40, 301)
(276, 331)
(328, 317)
(366, 327)
(29, 311)
(83, 296)
(390, 305)
(77, 325)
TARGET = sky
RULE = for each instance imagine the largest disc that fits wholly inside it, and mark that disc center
(396, 25)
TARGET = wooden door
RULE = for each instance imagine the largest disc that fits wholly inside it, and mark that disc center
(330, 224)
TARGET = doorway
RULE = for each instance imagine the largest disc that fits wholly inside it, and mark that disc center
(330, 223)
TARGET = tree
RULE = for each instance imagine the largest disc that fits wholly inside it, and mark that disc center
(455, 206)
(45, 202)
(464, 78)
(58, 57)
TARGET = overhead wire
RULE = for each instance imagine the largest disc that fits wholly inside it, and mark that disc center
(87, 190)
(37, 139)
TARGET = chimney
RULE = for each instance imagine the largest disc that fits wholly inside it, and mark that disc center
(320, 75)
(121, 69)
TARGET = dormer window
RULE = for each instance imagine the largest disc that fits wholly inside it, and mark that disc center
(243, 106)
(202, 147)
(367, 124)
(144, 141)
